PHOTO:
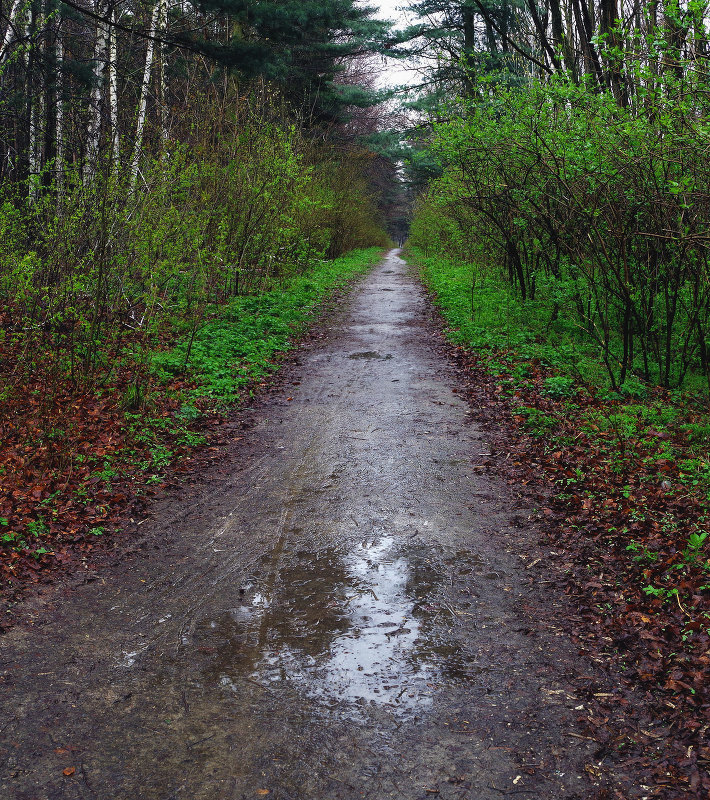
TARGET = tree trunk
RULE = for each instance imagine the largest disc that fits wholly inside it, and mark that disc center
(34, 112)
(113, 95)
(585, 30)
(60, 152)
(143, 101)
(11, 31)
(560, 39)
(163, 100)
(93, 138)
(469, 44)
(542, 36)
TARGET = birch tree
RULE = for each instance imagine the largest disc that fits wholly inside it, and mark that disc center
(11, 30)
(34, 102)
(162, 79)
(156, 16)
(59, 142)
(113, 94)
(99, 65)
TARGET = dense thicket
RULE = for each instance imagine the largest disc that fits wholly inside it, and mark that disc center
(82, 80)
(254, 203)
(155, 160)
(588, 180)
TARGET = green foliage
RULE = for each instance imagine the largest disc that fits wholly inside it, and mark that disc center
(641, 553)
(559, 386)
(695, 544)
(695, 472)
(536, 421)
(454, 41)
(97, 281)
(588, 211)
(240, 344)
(485, 314)
(697, 432)
(37, 527)
(189, 412)
(300, 44)
(661, 593)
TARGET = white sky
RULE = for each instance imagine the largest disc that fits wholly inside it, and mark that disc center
(389, 9)
(394, 73)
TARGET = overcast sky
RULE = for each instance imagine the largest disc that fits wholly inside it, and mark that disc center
(388, 9)
(394, 73)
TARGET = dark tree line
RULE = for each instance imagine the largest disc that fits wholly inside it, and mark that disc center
(95, 86)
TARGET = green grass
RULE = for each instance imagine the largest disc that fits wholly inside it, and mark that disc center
(483, 315)
(237, 346)
(486, 314)
(490, 318)
(241, 342)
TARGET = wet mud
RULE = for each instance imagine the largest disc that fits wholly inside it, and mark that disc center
(341, 616)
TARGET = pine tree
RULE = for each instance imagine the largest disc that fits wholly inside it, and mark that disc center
(450, 40)
(303, 46)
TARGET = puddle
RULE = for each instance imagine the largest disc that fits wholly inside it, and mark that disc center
(371, 354)
(128, 657)
(346, 628)
(374, 659)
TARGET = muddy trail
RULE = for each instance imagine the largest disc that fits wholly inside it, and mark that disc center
(341, 613)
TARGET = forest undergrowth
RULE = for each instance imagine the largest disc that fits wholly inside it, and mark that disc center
(622, 483)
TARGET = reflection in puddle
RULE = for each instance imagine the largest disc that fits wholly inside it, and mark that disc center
(373, 659)
(350, 628)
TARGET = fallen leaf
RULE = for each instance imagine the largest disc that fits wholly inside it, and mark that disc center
(68, 771)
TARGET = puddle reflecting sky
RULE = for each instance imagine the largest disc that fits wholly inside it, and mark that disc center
(346, 628)
(375, 658)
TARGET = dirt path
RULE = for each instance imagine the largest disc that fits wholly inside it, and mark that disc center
(338, 617)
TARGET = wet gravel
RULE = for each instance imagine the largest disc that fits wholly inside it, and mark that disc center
(339, 612)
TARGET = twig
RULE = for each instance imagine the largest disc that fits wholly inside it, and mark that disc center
(199, 741)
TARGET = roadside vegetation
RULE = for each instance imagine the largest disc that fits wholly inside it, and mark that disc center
(631, 471)
(622, 486)
(183, 187)
(563, 228)
(76, 452)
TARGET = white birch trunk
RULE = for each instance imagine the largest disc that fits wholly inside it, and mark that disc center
(60, 153)
(162, 26)
(143, 101)
(37, 107)
(93, 137)
(113, 96)
(12, 22)
(34, 154)
(25, 20)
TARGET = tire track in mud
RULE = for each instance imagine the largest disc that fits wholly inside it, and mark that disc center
(341, 617)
